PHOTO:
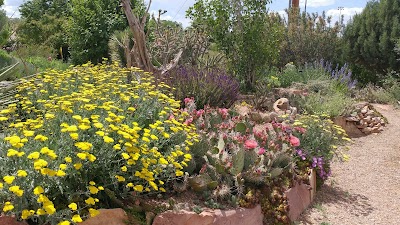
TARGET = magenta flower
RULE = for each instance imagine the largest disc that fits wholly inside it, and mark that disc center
(261, 151)
(250, 144)
(294, 141)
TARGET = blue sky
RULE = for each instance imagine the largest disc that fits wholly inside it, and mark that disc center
(176, 8)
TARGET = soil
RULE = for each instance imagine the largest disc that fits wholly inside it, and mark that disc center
(366, 189)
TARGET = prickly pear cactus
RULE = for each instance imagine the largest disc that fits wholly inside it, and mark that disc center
(250, 159)
(238, 162)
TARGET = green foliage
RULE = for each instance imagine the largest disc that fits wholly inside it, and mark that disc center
(242, 29)
(309, 38)
(90, 26)
(33, 50)
(5, 59)
(41, 64)
(4, 29)
(389, 93)
(330, 102)
(291, 75)
(370, 40)
(44, 23)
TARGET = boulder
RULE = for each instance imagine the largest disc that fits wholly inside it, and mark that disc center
(237, 216)
(108, 217)
(281, 104)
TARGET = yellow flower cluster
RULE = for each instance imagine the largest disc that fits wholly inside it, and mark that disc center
(323, 134)
(87, 125)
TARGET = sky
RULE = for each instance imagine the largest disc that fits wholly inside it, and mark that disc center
(176, 8)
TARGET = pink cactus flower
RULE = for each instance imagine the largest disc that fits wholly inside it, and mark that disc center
(187, 100)
(294, 141)
(223, 112)
(250, 144)
(261, 151)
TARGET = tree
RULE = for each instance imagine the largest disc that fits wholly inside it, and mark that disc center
(91, 24)
(244, 30)
(44, 23)
(309, 38)
(4, 31)
(370, 40)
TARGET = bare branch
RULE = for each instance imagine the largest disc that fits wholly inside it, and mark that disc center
(145, 15)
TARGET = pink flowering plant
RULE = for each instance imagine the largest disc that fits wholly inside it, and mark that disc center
(236, 151)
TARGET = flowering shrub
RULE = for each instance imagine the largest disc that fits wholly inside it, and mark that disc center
(208, 87)
(77, 137)
(319, 142)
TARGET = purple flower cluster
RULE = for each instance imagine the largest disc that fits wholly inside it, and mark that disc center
(301, 153)
(208, 87)
(343, 74)
(318, 163)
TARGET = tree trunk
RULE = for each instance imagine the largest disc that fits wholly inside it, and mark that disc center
(140, 52)
(137, 28)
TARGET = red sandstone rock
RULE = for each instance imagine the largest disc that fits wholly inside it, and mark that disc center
(211, 217)
(108, 217)
(8, 220)
(299, 198)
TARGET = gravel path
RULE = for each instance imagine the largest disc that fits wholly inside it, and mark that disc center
(366, 189)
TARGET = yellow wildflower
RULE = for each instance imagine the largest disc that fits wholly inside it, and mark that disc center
(120, 178)
(68, 159)
(81, 155)
(90, 201)
(40, 137)
(34, 155)
(38, 190)
(108, 139)
(73, 206)
(138, 188)
(83, 145)
(93, 212)
(8, 179)
(78, 166)
(178, 173)
(28, 133)
(93, 190)
(74, 136)
(8, 207)
(25, 214)
(22, 173)
(76, 219)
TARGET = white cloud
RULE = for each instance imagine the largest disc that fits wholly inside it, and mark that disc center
(347, 13)
(317, 3)
(11, 7)
(180, 17)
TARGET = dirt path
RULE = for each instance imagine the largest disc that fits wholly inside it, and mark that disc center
(366, 189)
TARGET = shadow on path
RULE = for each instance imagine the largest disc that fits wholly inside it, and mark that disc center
(354, 204)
